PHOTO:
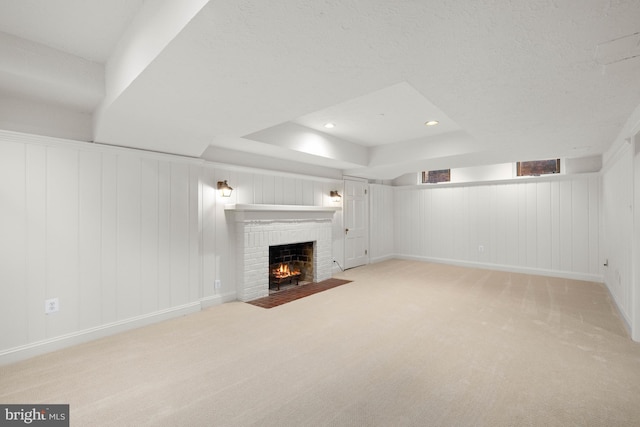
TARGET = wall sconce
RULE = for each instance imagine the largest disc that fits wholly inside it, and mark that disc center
(225, 190)
(335, 196)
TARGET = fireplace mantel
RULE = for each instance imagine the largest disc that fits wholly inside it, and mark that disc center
(246, 212)
(278, 208)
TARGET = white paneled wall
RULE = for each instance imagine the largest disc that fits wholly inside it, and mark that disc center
(112, 234)
(121, 237)
(544, 225)
(617, 207)
(381, 220)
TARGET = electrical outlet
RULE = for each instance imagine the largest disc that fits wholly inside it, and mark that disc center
(217, 284)
(480, 248)
(51, 306)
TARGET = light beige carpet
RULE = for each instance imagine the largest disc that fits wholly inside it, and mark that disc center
(405, 344)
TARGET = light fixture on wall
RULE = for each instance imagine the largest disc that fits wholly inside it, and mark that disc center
(335, 196)
(225, 190)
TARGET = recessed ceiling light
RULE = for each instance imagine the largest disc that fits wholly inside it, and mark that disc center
(431, 123)
(329, 125)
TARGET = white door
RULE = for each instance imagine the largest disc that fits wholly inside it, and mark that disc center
(356, 223)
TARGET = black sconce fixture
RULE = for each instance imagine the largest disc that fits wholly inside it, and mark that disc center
(225, 190)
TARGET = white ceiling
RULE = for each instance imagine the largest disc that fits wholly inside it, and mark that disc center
(236, 80)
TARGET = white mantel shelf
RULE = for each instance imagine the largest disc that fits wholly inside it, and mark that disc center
(279, 208)
(245, 212)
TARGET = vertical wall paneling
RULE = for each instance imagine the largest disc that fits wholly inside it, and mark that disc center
(195, 292)
(109, 238)
(321, 194)
(149, 237)
(278, 190)
(399, 215)
(511, 223)
(485, 232)
(89, 234)
(415, 222)
(531, 227)
(448, 223)
(426, 219)
(493, 237)
(308, 195)
(288, 191)
(617, 203)
(258, 189)
(473, 240)
(244, 188)
(550, 225)
(129, 238)
(422, 224)
(543, 225)
(501, 218)
(268, 190)
(566, 226)
(436, 226)
(179, 223)
(521, 195)
(298, 191)
(13, 304)
(62, 239)
(635, 244)
(208, 233)
(555, 226)
(164, 235)
(595, 266)
(580, 222)
(36, 211)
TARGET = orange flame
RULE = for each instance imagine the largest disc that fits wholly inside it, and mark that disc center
(283, 271)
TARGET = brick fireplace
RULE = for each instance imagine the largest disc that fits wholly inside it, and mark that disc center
(257, 227)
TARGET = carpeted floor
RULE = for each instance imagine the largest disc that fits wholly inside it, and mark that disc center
(296, 292)
(404, 344)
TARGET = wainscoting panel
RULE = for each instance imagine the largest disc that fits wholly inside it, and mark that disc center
(129, 246)
(112, 233)
(36, 249)
(90, 204)
(62, 236)
(13, 316)
(548, 225)
(617, 206)
(149, 226)
(381, 222)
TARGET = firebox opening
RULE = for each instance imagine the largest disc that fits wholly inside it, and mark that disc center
(290, 265)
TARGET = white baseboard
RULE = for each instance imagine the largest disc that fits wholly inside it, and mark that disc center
(373, 260)
(626, 320)
(23, 352)
(513, 269)
(214, 300)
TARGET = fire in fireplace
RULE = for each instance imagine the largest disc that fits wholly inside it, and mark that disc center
(290, 264)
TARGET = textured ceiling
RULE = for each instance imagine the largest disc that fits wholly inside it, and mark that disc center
(234, 81)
